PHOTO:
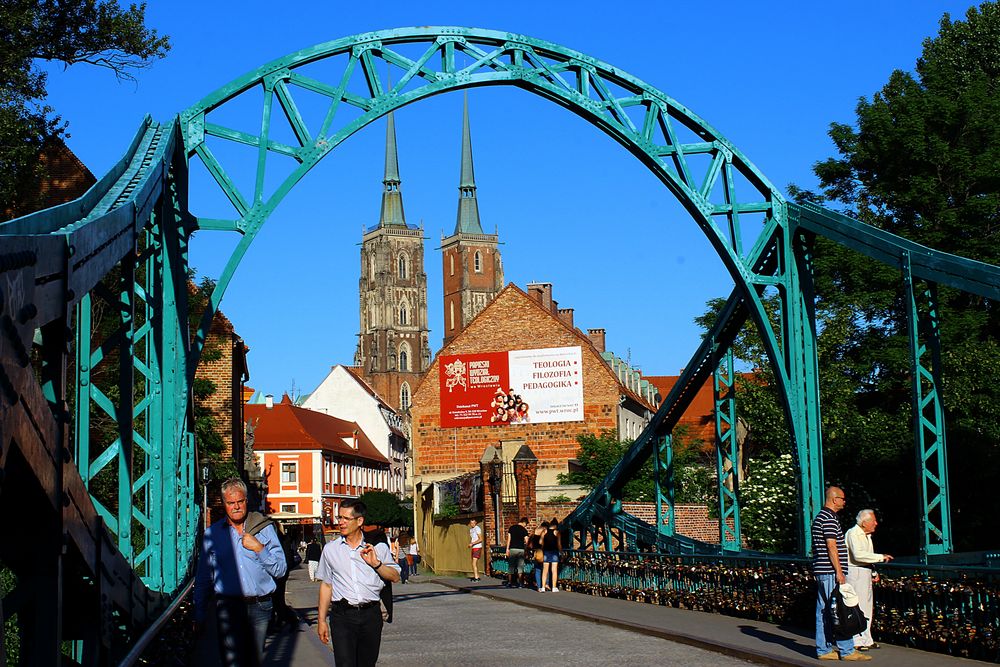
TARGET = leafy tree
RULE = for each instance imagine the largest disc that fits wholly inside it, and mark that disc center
(96, 32)
(920, 161)
(384, 509)
(694, 481)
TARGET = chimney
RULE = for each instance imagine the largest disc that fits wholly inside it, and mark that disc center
(542, 293)
(566, 315)
(596, 337)
(269, 401)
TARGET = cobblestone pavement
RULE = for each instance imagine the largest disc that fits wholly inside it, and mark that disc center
(436, 625)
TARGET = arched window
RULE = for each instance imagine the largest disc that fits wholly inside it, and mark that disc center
(478, 262)
(404, 357)
(402, 266)
(371, 266)
(451, 261)
(451, 314)
(404, 397)
(402, 314)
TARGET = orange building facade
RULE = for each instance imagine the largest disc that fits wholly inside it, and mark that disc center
(312, 462)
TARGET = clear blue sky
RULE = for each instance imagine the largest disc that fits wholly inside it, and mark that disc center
(572, 207)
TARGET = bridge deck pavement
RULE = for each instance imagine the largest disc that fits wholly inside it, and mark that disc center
(451, 621)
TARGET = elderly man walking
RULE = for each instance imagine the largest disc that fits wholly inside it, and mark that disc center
(829, 563)
(239, 563)
(861, 556)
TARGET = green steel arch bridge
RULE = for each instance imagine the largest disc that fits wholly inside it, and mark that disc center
(97, 454)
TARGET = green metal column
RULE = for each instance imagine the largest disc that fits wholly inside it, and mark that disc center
(663, 483)
(727, 454)
(798, 333)
(928, 416)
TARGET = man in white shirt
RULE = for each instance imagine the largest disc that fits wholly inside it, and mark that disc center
(351, 573)
(861, 556)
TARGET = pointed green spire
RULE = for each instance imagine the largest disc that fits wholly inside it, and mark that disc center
(468, 207)
(392, 198)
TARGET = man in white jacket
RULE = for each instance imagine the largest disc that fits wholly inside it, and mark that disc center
(861, 557)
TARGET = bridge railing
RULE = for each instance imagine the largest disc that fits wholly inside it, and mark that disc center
(945, 609)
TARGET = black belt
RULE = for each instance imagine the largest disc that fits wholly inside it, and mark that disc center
(249, 599)
(344, 604)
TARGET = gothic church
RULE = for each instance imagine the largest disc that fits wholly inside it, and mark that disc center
(393, 349)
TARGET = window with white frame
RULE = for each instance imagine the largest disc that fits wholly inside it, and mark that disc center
(290, 508)
(402, 267)
(478, 262)
(404, 397)
(288, 473)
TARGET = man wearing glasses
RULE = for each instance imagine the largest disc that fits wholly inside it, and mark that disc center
(351, 574)
(829, 564)
(239, 563)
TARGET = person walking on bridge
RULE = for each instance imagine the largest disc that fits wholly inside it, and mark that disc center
(313, 551)
(829, 563)
(240, 564)
(352, 573)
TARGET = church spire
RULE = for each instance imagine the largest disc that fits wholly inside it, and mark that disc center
(392, 198)
(468, 207)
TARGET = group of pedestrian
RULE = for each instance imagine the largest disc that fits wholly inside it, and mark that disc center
(243, 559)
(543, 545)
(843, 565)
(405, 551)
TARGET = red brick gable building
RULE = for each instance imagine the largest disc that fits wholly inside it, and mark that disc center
(512, 321)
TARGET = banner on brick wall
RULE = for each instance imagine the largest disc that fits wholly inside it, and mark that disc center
(515, 387)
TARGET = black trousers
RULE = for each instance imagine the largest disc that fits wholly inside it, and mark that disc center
(356, 635)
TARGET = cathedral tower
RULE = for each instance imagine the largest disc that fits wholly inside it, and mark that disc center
(393, 350)
(472, 270)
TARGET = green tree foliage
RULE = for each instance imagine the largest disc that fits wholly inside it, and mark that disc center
(694, 482)
(98, 33)
(919, 161)
(768, 502)
(385, 509)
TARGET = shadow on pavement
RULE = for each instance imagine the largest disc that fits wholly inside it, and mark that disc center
(409, 597)
(771, 638)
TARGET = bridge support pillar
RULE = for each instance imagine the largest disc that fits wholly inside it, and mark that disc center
(727, 454)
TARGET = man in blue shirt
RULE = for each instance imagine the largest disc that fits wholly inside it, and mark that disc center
(240, 567)
(352, 573)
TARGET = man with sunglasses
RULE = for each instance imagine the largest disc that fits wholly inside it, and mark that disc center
(352, 573)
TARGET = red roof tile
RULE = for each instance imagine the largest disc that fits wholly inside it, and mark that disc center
(287, 426)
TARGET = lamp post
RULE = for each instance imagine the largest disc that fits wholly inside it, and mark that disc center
(206, 477)
(495, 481)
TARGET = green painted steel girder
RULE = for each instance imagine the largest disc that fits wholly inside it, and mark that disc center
(667, 137)
(727, 450)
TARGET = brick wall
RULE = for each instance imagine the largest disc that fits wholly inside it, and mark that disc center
(220, 372)
(690, 520)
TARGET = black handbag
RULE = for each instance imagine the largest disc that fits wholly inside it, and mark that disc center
(846, 621)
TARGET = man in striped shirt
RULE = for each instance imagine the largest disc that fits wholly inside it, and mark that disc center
(829, 565)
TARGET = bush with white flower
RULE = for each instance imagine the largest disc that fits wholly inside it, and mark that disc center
(769, 505)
